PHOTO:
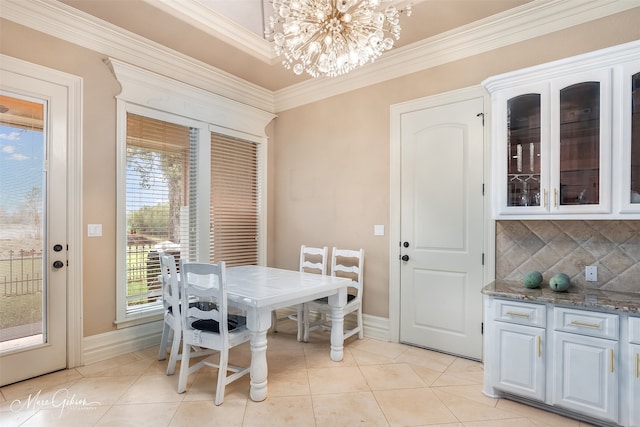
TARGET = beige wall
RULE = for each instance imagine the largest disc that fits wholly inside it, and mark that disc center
(328, 161)
(332, 157)
(99, 159)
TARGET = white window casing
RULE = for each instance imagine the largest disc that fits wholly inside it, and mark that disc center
(210, 117)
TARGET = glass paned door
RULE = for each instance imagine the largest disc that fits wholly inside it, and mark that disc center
(579, 145)
(523, 150)
(34, 132)
(635, 138)
(22, 215)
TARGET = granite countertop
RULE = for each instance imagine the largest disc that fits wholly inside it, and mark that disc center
(620, 302)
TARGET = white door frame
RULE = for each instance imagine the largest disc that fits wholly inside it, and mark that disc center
(395, 190)
(73, 84)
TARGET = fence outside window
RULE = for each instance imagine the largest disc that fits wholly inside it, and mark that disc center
(21, 272)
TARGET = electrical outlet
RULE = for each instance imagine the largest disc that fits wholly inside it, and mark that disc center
(591, 273)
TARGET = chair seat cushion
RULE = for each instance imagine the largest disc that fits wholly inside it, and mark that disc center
(210, 325)
(325, 300)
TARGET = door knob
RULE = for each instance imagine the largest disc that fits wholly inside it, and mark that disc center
(405, 258)
(405, 244)
(57, 247)
(58, 264)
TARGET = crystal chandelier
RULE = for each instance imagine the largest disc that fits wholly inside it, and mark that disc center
(332, 37)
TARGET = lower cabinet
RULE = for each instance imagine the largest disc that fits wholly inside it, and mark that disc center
(634, 375)
(577, 362)
(633, 372)
(521, 367)
(585, 375)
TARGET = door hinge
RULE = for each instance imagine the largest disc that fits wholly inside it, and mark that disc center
(483, 189)
(482, 328)
(483, 258)
(481, 115)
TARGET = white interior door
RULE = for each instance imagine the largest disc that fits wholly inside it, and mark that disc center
(33, 234)
(441, 227)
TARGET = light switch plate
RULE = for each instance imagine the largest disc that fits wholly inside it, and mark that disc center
(94, 230)
(591, 273)
(378, 230)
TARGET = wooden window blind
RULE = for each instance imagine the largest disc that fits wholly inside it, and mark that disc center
(235, 201)
(157, 159)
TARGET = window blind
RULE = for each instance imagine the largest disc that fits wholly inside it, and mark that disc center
(157, 157)
(235, 201)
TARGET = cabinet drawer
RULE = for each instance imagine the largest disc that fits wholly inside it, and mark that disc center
(521, 312)
(590, 323)
(634, 330)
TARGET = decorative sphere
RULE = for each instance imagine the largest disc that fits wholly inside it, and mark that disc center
(532, 279)
(298, 69)
(284, 11)
(559, 282)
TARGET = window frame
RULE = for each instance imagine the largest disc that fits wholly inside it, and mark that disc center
(151, 95)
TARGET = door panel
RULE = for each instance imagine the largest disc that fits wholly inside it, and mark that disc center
(34, 233)
(438, 218)
(442, 317)
(442, 218)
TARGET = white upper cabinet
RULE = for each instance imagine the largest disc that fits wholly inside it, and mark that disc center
(629, 159)
(566, 138)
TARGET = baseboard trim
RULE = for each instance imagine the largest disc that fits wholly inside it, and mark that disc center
(376, 327)
(104, 346)
(122, 341)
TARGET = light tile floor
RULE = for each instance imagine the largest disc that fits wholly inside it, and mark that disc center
(377, 384)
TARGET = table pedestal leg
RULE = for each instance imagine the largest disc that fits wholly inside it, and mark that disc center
(337, 333)
(258, 370)
(337, 302)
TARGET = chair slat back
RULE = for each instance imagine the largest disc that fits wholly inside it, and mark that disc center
(314, 259)
(348, 263)
(205, 284)
(170, 283)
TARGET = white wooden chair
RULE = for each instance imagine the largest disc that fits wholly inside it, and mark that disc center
(344, 263)
(312, 260)
(172, 329)
(207, 324)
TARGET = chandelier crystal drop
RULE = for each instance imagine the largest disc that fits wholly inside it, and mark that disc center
(332, 37)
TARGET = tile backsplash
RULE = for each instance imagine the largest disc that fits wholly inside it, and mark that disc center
(567, 247)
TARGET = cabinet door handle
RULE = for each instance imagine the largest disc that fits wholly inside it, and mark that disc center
(611, 360)
(588, 325)
(540, 346)
(637, 365)
(514, 313)
(544, 199)
(555, 197)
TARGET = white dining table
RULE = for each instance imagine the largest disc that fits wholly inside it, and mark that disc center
(258, 290)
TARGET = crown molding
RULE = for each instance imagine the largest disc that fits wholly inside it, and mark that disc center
(589, 61)
(219, 26)
(533, 19)
(530, 20)
(223, 28)
(142, 87)
(69, 24)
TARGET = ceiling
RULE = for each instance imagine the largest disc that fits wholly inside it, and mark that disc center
(226, 34)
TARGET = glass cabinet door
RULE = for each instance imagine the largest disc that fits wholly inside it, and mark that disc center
(523, 150)
(579, 119)
(635, 139)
